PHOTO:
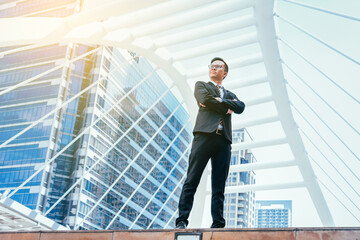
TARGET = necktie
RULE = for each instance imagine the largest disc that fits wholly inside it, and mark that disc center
(218, 90)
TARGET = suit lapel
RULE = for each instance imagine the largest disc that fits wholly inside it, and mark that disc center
(213, 89)
(225, 93)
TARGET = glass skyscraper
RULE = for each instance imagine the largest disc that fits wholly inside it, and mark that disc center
(115, 136)
(273, 213)
(239, 208)
(23, 106)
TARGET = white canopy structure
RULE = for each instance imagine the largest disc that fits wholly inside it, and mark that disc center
(16, 217)
(180, 37)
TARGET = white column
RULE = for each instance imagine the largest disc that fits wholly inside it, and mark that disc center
(263, 11)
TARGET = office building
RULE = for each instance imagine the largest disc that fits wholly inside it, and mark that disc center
(239, 208)
(273, 214)
(121, 139)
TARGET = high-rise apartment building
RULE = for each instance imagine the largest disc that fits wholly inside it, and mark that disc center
(239, 208)
(115, 136)
(273, 214)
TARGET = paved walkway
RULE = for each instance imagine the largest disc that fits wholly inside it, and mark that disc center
(206, 234)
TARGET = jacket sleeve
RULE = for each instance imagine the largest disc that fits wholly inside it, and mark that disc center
(203, 96)
(234, 104)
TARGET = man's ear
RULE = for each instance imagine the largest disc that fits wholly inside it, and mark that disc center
(225, 74)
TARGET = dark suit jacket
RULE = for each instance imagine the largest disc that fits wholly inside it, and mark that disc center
(208, 117)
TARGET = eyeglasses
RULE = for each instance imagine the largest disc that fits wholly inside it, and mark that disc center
(215, 66)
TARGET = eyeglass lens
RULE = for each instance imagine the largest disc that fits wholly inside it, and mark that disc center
(215, 66)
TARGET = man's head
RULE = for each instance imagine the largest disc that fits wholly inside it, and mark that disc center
(218, 69)
(221, 60)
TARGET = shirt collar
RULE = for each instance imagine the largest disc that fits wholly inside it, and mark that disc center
(215, 84)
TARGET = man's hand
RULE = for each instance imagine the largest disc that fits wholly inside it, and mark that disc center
(202, 105)
(229, 110)
(220, 100)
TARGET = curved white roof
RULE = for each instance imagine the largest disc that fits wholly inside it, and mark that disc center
(180, 37)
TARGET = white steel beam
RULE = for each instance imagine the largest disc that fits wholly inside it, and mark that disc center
(48, 30)
(125, 22)
(212, 10)
(151, 13)
(258, 144)
(254, 122)
(21, 31)
(23, 218)
(21, 49)
(264, 187)
(259, 100)
(245, 82)
(205, 31)
(249, 60)
(216, 46)
(263, 11)
(261, 166)
(103, 11)
(241, 62)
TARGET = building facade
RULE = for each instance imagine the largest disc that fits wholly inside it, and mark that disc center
(239, 208)
(274, 214)
(108, 137)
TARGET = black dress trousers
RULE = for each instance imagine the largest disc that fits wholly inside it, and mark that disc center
(206, 146)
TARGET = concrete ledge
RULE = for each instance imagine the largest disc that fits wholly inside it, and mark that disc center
(207, 234)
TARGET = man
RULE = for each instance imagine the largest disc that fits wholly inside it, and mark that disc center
(212, 140)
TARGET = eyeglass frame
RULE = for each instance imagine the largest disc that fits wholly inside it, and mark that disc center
(216, 67)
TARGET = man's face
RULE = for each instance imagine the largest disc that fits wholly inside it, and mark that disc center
(217, 70)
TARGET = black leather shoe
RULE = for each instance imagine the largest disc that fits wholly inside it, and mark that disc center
(181, 225)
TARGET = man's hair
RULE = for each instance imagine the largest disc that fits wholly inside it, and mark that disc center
(220, 59)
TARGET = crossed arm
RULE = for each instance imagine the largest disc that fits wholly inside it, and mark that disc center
(220, 105)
